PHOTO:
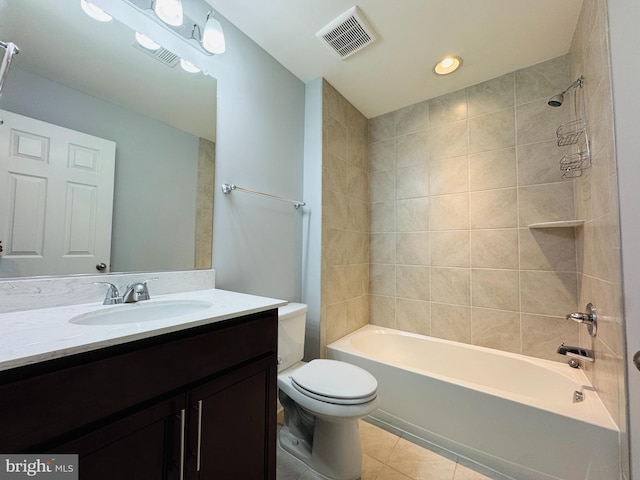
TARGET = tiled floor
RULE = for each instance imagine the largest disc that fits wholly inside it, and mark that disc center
(387, 456)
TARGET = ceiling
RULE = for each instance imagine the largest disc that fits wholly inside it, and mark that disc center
(99, 59)
(493, 37)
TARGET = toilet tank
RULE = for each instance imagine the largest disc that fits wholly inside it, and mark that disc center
(291, 324)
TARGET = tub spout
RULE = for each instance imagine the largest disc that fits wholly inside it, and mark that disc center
(576, 352)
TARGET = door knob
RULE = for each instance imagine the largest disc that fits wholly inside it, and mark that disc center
(636, 359)
(101, 267)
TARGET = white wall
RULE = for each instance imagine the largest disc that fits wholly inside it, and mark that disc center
(260, 134)
(156, 170)
(624, 16)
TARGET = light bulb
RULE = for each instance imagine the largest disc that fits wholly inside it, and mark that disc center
(169, 11)
(447, 65)
(95, 12)
(188, 66)
(213, 38)
(146, 42)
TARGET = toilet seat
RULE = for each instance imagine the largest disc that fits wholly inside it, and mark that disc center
(335, 382)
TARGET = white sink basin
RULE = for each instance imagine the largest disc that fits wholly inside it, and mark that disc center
(144, 311)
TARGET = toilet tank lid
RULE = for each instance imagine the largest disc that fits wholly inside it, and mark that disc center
(291, 309)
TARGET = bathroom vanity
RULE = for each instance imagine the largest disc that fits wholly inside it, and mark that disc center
(189, 400)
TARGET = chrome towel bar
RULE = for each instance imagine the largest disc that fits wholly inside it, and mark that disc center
(228, 188)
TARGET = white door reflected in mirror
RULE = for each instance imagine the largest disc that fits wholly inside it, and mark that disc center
(58, 185)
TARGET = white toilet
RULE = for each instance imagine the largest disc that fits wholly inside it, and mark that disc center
(322, 402)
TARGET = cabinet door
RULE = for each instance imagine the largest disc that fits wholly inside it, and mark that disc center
(232, 426)
(142, 446)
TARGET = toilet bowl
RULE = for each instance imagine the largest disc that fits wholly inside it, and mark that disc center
(323, 401)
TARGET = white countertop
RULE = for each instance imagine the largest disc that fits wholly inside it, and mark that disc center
(33, 336)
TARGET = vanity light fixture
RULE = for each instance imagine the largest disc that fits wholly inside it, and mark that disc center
(205, 36)
(146, 42)
(95, 12)
(159, 31)
(447, 65)
(188, 66)
(213, 37)
(169, 11)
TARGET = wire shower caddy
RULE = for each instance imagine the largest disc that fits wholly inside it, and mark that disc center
(575, 133)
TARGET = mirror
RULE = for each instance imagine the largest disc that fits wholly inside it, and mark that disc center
(89, 76)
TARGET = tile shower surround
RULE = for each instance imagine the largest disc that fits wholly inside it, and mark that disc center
(454, 183)
(345, 218)
(598, 242)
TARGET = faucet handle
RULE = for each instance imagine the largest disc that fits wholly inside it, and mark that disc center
(145, 290)
(590, 319)
(113, 296)
(137, 291)
(146, 287)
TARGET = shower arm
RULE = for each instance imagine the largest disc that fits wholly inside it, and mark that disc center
(577, 83)
(11, 49)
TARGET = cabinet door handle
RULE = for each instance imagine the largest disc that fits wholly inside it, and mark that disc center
(183, 425)
(199, 454)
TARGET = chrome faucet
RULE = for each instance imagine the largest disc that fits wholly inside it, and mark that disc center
(134, 292)
(590, 319)
(576, 352)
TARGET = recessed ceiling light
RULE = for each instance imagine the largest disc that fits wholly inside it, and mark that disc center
(447, 65)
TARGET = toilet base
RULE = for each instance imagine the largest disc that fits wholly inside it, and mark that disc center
(336, 452)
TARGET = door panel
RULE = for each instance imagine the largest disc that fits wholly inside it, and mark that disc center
(234, 419)
(58, 186)
(141, 446)
(27, 207)
(80, 219)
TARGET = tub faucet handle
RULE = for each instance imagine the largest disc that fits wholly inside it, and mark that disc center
(590, 319)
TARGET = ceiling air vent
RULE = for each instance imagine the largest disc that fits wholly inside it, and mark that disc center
(163, 55)
(347, 34)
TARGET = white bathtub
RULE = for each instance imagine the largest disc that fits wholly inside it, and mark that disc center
(512, 413)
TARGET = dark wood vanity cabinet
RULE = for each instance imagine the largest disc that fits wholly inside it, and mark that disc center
(143, 445)
(195, 404)
(230, 414)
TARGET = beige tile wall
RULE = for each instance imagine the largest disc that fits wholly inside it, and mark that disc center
(598, 242)
(345, 218)
(204, 204)
(454, 183)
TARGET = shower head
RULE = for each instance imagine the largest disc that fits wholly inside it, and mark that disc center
(556, 100)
